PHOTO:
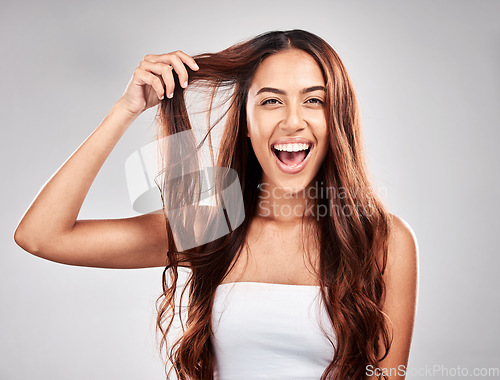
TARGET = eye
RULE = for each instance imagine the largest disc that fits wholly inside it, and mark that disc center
(317, 101)
(269, 101)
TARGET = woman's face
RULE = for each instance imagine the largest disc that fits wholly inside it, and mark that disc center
(286, 119)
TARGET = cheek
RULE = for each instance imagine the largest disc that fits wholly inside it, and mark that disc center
(259, 129)
(260, 143)
(323, 141)
(259, 146)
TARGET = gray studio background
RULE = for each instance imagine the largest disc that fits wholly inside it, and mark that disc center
(427, 78)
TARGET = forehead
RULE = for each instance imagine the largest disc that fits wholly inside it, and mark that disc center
(292, 69)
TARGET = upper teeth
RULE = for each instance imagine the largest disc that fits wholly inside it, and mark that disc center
(291, 147)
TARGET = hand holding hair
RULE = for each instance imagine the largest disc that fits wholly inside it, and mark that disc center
(153, 78)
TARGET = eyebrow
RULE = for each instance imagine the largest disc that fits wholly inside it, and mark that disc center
(281, 92)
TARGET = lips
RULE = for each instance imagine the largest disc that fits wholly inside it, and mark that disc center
(295, 168)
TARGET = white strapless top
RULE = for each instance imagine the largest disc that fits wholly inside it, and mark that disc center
(270, 331)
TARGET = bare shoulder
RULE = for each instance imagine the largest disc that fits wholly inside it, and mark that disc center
(402, 243)
(401, 273)
(402, 239)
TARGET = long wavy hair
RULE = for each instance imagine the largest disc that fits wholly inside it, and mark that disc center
(352, 236)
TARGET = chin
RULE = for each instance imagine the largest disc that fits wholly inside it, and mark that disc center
(294, 185)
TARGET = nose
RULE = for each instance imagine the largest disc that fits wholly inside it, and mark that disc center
(293, 120)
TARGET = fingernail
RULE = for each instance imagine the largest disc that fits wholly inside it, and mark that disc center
(195, 65)
(171, 95)
(185, 84)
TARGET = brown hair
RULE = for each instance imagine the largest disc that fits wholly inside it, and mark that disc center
(353, 245)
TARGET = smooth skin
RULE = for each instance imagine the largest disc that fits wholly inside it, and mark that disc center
(50, 229)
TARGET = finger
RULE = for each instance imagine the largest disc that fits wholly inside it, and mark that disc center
(164, 67)
(180, 69)
(164, 71)
(187, 60)
(145, 77)
(153, 58)
(165, 58)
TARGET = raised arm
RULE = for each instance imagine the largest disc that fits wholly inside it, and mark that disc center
(50, 229)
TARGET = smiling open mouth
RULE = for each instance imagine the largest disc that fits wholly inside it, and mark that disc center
(291, 155)
(291, 158)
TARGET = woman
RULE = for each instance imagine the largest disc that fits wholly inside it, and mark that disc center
(314, 233)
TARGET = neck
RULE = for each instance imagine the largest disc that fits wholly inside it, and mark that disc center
(287, 206)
